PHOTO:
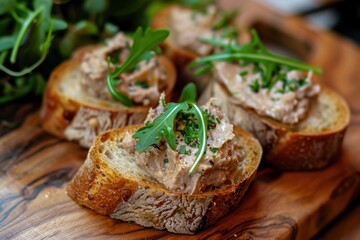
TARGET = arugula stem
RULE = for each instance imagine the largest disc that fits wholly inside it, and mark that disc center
(257, 57)
(203, 136)
(214, 42)
(45, 49)
(23, 30)
(3, 56)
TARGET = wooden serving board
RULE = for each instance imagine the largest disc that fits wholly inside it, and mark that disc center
(35, 166)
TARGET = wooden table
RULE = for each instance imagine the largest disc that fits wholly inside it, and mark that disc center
(35, 166)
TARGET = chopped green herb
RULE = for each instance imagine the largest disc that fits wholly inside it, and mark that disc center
(255, 86)
(166, 160)
(163, 102)
(163, 126)
(115, 57)
(214, 149)
(142, 84)
(218, 120)
(179, 210)
(243, 73)
(182, 149)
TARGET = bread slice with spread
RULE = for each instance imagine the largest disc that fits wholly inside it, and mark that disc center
(78, 103)
(187, 26)
(299, 123)
(137, 174)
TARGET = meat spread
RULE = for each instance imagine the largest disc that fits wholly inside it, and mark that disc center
(171, 167)
(187, 26)
(88, 123)
(142, 85)
(288, 107)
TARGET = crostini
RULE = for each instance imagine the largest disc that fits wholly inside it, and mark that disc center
(185, 168)
(299, 123)
(84, 97)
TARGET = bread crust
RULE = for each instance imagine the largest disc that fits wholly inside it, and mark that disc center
(149, 204)
(293, 147)
(58, 108)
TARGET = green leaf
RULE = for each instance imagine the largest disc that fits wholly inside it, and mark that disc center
(261, 58)
(24, 29)
(45, 6)
(85, 27)
(59, 24)
(95, 6)
(214, 41)
(188, 93)
(162, 126)
(7, 6)
(203, 69)
(111, 83)
(7, 42)
(111, 28)
(144, 44)
(265, 62)
(44, 48)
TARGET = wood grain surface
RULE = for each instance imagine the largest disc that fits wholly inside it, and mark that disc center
(35, 166)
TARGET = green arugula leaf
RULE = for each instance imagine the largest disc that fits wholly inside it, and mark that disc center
(260, 58)
(25, 27)
(44, 47)
(188, 93)
(162, 126)
(266, 63)
(95, 6)
(59, 24)
(21, 86)
(144, 44)
(45, 6)
(7, 6)
(7, 42)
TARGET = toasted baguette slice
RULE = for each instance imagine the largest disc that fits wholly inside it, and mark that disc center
(312, 144)
(111, 183)
(181, 56)
(70, 112)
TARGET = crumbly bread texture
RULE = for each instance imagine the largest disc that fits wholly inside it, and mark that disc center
(111, 183)
(312, 144)
(70, 112)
